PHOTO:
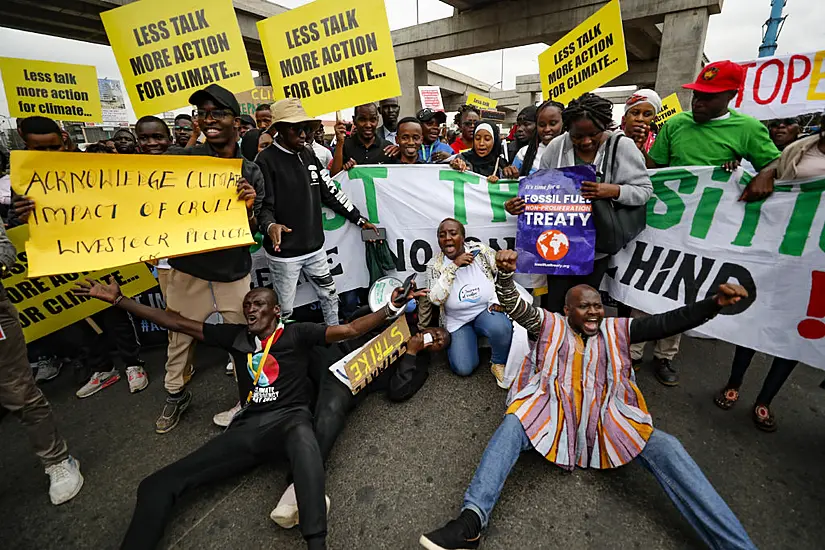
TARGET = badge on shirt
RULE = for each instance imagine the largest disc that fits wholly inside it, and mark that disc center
(470, 294)
(2, 334)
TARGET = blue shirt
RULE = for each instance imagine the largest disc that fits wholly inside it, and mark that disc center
(427, 151)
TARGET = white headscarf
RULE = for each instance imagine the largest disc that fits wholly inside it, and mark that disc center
(644, 96)
(486, 127)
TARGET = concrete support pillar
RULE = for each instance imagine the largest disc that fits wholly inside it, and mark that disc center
(525, 99)
(680, 56)
(412, 73)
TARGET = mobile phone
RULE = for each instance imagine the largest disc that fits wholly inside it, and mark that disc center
(428, 338)
(405, 288)
(369, 234)
(476, 252)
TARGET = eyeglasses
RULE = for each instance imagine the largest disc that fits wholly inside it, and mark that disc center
(783, 121)
(183, 127)
(469, 123)
(305, 128)
(215, 113)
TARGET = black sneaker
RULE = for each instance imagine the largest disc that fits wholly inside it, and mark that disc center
(665, 373)
(636, 363)
(463, 533)
(172, 410)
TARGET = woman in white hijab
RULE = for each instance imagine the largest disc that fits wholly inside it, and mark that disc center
(640, 110)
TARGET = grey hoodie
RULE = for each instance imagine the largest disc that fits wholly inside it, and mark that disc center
(630, 173)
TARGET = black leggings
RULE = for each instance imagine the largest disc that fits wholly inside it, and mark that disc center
(249, 441)
(780, 370)
(557, 286)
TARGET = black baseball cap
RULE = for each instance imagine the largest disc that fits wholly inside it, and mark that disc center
(219, 95)
(246, 119)
(425, 115)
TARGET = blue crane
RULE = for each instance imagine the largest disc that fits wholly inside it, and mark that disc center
(772, 28)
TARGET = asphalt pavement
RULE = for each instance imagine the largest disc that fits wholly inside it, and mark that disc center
(401, 469)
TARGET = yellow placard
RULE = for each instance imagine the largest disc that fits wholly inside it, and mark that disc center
(47, 304)
(589, 56)
(332, 54)
(250, 99)
(481, 102)
(62, 91)
(168, 50)
(101, 211)
(378, 354)
(670, 107)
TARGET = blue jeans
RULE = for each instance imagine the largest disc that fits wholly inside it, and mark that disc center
(463, 351)
(677, 473)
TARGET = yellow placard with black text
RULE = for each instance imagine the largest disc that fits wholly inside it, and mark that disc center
(62, 91)
(168, 50)
(670, 107)
(47, 304)
(100, 211)
(481, 102)
(589, 56)
(332, 54)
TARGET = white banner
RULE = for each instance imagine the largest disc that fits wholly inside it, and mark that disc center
(783, 86)
(698, 236)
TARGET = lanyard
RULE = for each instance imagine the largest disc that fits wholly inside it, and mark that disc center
(427, 156)
(272, 339)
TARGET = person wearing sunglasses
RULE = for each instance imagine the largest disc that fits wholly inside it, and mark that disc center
(784, 131)
(200, 285)
(183, 129)
(297, 185)
(467, 118)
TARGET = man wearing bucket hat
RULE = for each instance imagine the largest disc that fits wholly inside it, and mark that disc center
(296, 187)
(712, 134)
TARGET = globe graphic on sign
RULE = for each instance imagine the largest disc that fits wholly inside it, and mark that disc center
(552, 245)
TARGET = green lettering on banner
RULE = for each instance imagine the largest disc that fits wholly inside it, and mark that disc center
(368, 174)
(802, 218)
(705, 211)
(674, 205)
(500, 192)
(459, 179)
(753, 211)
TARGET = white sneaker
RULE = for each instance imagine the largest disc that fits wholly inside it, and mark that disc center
(47, 368)
(137, 378)
(65, 480)
(97, 382)
(285, 514)
(223, 419)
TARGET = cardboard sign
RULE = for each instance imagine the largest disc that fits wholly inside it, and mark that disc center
(556, 233)
(589, 56)
(47, 304)
(670, 107)
(168, 50)
(102, 211)
(111, 101)
(377, 354)
(331, 54)
(783, 86)
(481, 102)
(61, 91)
(431, 98)
(250, 99)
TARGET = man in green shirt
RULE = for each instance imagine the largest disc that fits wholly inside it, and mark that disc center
(711, 134)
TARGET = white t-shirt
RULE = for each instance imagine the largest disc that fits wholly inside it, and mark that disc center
(470, 294)
(323, 154)
(812, 164)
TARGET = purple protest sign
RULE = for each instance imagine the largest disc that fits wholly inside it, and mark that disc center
(556, 234)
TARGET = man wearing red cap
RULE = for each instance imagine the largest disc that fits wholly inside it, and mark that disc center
(711, 134)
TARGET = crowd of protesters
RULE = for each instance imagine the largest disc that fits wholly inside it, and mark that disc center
(288, 407)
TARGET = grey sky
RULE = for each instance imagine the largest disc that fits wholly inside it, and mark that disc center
(734, 34)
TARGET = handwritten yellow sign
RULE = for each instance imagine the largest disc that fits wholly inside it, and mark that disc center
(481, 102)
(589, 56)
(61, 91)
(250, 99)
(670, 107)
(168, 50)
(102, 211)
(332, 54)
(378, 354)
(47, 304)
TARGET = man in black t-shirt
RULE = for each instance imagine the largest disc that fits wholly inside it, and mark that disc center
(275, 420)
(364, 146)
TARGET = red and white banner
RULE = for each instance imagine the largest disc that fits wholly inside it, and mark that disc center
(431, 98)
(783, 86)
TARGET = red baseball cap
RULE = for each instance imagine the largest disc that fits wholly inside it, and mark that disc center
(722, 76)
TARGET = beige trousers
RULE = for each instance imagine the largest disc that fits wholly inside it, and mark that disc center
(197, 299)
(666, 348)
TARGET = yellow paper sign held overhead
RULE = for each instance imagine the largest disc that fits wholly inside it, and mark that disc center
(168, 50)
(331, 54)
(101, 211)
(589, 56)
(670, 107)
(47, 304)
(250, 99)
(62, 91)
(481, 102)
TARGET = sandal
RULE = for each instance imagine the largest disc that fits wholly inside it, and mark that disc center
(727, 398)
(764, 418)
